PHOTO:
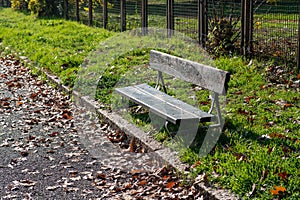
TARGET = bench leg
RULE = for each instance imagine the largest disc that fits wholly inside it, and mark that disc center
(210, 140)
(187, 131)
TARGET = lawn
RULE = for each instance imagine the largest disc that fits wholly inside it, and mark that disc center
(54, 44)
(258, 154)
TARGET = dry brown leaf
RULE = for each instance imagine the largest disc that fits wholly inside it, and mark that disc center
(165, 177)
(287, 105)
(270, 149)
(19, 103)
(34, 95)
(143, 182)
(170, 185)
(101, 175)
(248, 99)
(132, 146)
(196, 164)
(283, 175)
(67, 116)
(128, 186)
(137, 171)
(54, 134)
(277, 135)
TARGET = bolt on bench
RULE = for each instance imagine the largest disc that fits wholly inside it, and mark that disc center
(170, 108)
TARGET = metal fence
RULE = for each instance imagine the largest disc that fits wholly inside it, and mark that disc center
(260, 28)
(275, 29)
(5, 3)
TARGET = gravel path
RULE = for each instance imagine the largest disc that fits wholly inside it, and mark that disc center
(49, 151)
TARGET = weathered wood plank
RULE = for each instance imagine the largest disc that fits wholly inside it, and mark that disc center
(205, 76)
(162, 104)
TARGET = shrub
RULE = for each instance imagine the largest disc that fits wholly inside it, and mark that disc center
(223, 36)
(19, 5)
(36, 6)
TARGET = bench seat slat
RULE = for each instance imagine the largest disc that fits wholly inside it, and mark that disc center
(162, 104)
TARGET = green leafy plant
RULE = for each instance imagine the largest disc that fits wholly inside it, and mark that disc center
(223, 30)
(222, 36)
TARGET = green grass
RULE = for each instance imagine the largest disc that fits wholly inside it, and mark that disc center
(54, 44)
(243, 154)
(259, 147)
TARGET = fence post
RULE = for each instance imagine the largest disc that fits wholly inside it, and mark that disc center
(90, 22)
(247, 28)
(298, 50)
(170, 16)
(2, 3)
(77, 10)
(123, 15)
(66, 16)
(144, 13)
(105, 15)
(242, 26)
(202, 22)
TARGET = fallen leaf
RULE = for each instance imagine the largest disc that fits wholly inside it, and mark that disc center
(240, 156)
(277, 135)
(170, 185)
(53, 134)
(283, 175)
(73, 173)
(277, 190)
(247, 99)
(6, 104)
(238, 92)
(77, 178)
(269, 124)
(27, 183)
(270, 149)
(34, 95)
(196, 164)
(287, 105)
(143, 182)
(128, 186)
(52, 188)
(204, 103)
(101, 175)
(24, 153)
(67, 116)
(165, 177)
(132, 146)
(137, 171)
(19, 103)
(134, 192)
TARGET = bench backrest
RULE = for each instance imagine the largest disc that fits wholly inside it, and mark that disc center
(210, 78)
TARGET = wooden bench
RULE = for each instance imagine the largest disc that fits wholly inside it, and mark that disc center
(170, 108)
